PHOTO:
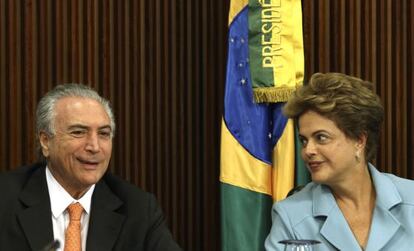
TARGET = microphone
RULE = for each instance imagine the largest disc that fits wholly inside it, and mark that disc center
(52, 246)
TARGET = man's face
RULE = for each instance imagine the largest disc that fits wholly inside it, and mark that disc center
(79, 152)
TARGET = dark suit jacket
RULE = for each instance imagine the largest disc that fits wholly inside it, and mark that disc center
(122, 216)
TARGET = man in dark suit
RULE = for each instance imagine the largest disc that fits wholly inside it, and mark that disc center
(75, 127)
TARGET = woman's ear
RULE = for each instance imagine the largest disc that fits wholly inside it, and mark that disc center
(360, 144)
(44, 143)
(361, 141)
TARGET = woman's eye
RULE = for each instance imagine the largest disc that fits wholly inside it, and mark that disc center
(303, 141)
(322, 137)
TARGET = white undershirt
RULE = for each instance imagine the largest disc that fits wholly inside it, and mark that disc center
(59, 201)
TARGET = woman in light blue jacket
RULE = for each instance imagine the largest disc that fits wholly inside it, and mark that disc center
(349, 205)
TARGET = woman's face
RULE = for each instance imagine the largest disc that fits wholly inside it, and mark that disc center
(329, 155)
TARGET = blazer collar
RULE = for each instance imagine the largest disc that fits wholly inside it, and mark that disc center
(336, 230)
(35, 219)
(384, 225)
(105, 223)
(387, 193)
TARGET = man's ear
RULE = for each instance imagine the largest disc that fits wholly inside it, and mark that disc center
(44, 143)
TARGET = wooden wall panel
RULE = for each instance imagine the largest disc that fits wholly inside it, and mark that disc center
(162, 65)
(373, 40)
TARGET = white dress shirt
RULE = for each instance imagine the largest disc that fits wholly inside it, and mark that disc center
(60, 199)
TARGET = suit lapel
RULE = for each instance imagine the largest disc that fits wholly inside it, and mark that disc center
(384, 227)
(384, 224)
(335, 229)
(36, 219)
(104, 223)
(337, 232)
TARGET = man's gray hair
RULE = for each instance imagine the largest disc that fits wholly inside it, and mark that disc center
(45, 113)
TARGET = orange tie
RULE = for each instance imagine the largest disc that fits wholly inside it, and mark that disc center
(73, 231)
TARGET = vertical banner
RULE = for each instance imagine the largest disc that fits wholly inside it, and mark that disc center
(276, 48)
(265, 63)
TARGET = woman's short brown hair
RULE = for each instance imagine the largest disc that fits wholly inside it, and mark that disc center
(348, 101)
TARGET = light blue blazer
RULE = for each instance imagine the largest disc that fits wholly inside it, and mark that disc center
(313, 214)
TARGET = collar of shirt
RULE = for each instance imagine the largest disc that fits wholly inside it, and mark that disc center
(60, 199)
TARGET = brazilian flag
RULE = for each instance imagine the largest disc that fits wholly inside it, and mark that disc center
(258, 148)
